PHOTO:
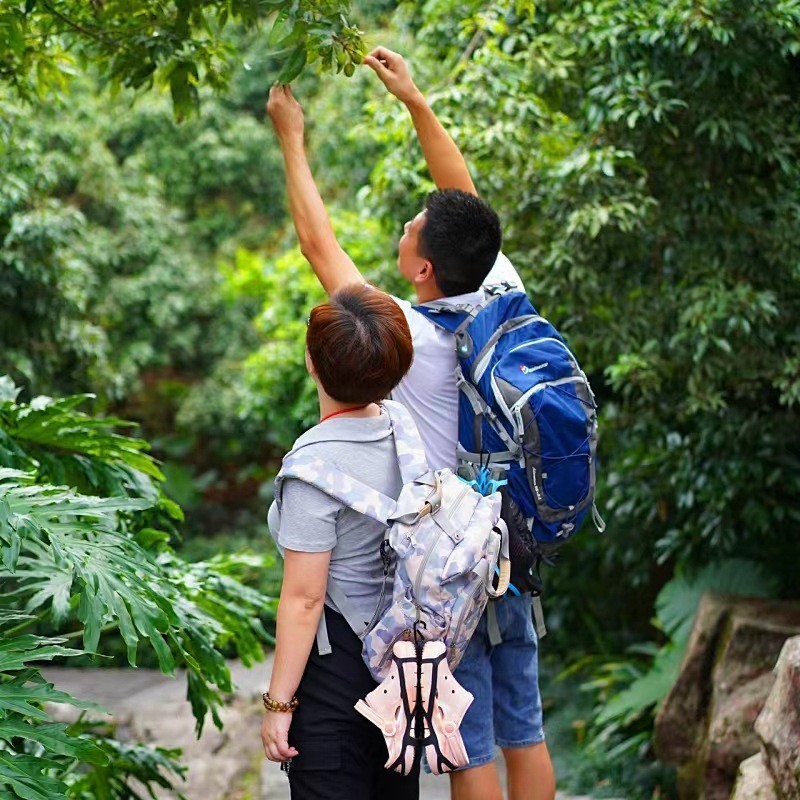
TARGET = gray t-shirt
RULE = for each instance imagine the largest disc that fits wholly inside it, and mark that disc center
(313, 522)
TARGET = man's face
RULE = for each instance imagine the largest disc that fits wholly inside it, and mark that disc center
(409, 259)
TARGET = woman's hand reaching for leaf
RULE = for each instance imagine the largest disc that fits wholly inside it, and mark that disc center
(285, 112)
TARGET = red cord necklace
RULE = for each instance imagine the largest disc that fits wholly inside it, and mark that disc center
(343, 411)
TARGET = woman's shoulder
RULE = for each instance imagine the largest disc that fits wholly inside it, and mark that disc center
(361, 448)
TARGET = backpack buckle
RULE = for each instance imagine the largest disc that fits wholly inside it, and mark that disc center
(433, 502)
(464, 345)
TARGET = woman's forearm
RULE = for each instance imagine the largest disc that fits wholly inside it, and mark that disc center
(308, 212)
(296, 626)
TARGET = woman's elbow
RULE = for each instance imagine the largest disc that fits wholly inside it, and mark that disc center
(313, 602)
(304, 599)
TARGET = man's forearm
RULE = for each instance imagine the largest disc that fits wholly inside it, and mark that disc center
(445, 161)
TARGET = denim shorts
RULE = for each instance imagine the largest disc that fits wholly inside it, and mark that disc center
(507, 709)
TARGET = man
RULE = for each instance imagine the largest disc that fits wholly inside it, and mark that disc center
(447, 252)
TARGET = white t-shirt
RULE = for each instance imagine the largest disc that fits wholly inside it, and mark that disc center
(429, 389)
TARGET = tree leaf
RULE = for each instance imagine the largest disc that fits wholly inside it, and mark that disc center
(294, 65)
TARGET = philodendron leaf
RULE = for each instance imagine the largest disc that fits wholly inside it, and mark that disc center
(55, 738)
(21, 699)
(17, 652)
(25, 776)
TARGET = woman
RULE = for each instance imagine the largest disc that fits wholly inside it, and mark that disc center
(358, 347)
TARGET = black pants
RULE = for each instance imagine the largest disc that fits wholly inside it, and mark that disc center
(341, 753)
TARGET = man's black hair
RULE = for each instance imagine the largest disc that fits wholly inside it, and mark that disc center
(461, 238)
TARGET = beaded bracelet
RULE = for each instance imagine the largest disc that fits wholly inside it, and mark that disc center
(276, 705)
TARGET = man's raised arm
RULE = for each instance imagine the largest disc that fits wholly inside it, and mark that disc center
(445, 162)
(318, 243)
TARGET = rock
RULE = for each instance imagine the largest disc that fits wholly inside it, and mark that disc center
(754, 781)
(742, 679)
(681, 721)
(705, 725)
(731, 737)
(778, 725)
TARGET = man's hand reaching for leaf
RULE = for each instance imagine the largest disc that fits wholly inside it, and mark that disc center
(392, 69)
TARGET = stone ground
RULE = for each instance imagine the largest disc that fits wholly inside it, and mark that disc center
(222, 765)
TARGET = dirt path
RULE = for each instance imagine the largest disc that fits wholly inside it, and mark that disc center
(223, 765)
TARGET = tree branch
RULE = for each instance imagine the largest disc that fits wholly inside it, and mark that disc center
(74, 25)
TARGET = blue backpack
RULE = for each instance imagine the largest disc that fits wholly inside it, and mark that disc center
(527, 416)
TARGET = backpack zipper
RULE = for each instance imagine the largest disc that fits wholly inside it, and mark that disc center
(500, 401)
(485, 356)
(413, 529)
(424, 564)
(461, 614)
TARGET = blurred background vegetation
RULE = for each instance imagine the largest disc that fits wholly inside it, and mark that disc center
(643, 158)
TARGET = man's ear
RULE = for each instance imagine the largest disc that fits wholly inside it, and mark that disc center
(425, 272)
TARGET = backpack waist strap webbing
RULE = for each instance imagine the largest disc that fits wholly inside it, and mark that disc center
(347, 610)
(538, 616)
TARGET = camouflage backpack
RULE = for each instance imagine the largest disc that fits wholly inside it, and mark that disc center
(448, 540)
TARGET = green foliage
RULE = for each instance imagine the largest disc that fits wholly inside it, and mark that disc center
(183, 45)
(96, 563)
(101, 280)
(584, 770)
(646, 175)
(150, 766)
(271, 391)
(218, 170)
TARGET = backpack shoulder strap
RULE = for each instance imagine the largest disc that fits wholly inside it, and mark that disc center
(351, 493)
(410, 450)
(448, 318)
(457, 320)
(327, 478)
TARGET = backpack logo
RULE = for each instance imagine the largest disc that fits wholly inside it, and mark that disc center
(527, 370)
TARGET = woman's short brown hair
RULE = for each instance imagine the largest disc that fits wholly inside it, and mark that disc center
(360, 344)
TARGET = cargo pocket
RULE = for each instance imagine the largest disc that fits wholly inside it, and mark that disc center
(317, 753)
